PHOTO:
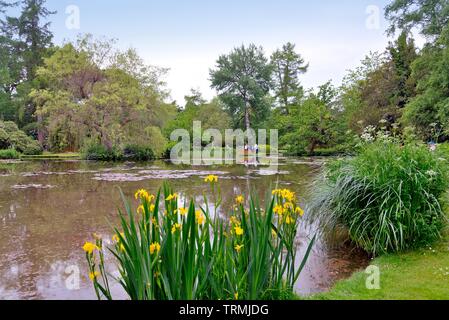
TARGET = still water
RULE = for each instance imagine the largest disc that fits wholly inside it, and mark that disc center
(49, 209)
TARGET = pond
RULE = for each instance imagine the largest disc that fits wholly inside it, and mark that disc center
(48, 209)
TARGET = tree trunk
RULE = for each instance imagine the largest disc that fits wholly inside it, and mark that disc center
(312, 147)
(40, 131)
(247, 118)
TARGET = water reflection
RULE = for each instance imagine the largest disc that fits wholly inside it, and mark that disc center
(48, 210)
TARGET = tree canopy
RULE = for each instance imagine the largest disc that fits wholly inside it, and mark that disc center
(243, 80)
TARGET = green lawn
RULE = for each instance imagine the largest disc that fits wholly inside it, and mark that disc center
(418, 275)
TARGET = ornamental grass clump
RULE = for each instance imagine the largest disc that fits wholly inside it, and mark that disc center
(389, 197)
(168, 250)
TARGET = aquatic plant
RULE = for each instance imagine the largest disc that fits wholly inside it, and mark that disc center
(171, 251)
(389, 197)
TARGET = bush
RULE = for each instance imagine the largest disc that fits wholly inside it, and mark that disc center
(443, 151)
(13, 138)
(9, 154)
(32, 149)
(171, 252)
(138, 153)
(388, 197)
(169, 146)
(98, 152)
(4, 141)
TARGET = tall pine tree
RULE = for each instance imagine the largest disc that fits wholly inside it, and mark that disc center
(28, 38)
(288, 66)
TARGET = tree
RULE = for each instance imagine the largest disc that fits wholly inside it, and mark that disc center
(432, 16)
(403, 54)
(428, 112)
(32, 34)
(313, 126)
(210, 114)
(243, 80)
(288, 66)
(8, 69)
(27, 40)
(380, 89)
(113, 104)
(195, 99)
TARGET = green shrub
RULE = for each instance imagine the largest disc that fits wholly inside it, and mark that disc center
(9, 154)
(32, 129)
(13, 138)
(443, 151)
(138, 153)
(32, 149)
(98, 152)
(266, 149)
(388, 197)
(4, 141)
(169, 146)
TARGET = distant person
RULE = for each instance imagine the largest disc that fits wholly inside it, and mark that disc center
(256, 148)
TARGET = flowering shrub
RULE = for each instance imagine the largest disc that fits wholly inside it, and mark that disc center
(170, 251)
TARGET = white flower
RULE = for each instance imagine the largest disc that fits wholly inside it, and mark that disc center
(431, 173)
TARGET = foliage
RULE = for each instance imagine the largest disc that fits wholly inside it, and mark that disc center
(443, 151)
(381, 87)
(117, 102)
(13, 138)
(428, 111)
(25, 40)
(312, 124)
(132, 152)
(388, 197)
(186, 252)
(243, 79)
(138, 153)
(168, 148)
(211, 115)
(288, 65)
(98, 152)
(431, 16)
(9, 154)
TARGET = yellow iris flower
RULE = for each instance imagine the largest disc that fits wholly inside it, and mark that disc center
(89, 247)
(94, 275)
(211, 179)
(238, 231)
(176, 227)
(200, 218)
(238, 248)
(172, 197)
(155, 247)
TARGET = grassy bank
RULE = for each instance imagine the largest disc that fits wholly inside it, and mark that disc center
(53, 156)
(401, 185)
(416, 275)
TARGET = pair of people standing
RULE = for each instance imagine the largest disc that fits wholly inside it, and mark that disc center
(254, 148)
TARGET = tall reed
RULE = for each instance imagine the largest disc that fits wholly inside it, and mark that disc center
(389, 197)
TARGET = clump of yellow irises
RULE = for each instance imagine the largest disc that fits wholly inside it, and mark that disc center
(155, 235)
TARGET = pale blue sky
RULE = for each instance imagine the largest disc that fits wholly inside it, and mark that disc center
(188, 36)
